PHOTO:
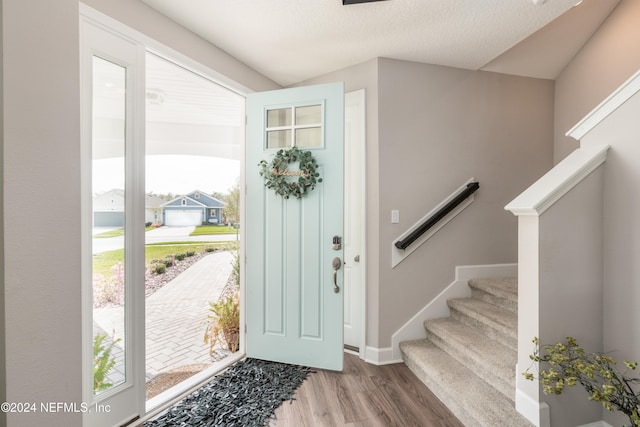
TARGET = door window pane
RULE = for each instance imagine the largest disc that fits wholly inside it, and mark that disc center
(279, 117)
(311, 115)
(279, 139)
(309, 137)
(302, 123)
(108, 210)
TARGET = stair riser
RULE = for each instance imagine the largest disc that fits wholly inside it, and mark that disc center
(508, 340)
(501, 380)
(506, 304)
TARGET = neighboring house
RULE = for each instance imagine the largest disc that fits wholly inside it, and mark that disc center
(423, 137)
(108, 209)
(195, 208)
(153, 209)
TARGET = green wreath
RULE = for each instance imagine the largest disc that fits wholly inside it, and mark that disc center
(277, 175)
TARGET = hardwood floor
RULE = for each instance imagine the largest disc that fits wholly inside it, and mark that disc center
(364, 395)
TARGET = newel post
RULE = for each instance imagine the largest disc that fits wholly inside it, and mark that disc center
(560, 271)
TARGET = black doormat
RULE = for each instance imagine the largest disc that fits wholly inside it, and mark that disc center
(245, 395)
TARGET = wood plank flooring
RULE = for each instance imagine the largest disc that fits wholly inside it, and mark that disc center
(364, 395)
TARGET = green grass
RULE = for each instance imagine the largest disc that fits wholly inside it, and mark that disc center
(205, 230)
(111, 233)
(103, 262)
(115, 233)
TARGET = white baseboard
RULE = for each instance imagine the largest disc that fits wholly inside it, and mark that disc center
(414, 329)
(536, 412)
(597, 424)
(380, 356)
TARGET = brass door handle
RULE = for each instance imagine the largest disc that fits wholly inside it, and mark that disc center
(336, 266)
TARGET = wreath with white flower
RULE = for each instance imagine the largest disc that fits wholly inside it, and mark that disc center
(285, 182)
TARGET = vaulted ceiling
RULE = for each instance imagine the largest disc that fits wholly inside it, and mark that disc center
(289, 41)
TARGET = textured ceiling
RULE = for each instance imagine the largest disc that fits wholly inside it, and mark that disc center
(292, 40)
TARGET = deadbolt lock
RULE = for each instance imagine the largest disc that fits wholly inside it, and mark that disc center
(337, 243)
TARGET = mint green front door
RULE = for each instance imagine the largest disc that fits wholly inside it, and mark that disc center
(294, 298)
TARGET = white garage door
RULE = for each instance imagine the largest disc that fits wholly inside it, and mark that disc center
(181, 218)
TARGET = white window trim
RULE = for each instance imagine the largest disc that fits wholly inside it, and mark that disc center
(170, 54)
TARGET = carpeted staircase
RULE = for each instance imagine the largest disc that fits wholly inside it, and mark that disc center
(468, 360)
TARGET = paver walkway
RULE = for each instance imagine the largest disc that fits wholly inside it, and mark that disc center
(174, 317)
(176, 312)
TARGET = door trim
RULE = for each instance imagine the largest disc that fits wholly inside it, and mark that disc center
(114, 26)
(358, 97)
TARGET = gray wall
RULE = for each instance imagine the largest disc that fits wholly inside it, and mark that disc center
(621, 326)
(609, 58)
(3, 365)
(439, 126)
(429, 129)
(570, 276)
(41, 146)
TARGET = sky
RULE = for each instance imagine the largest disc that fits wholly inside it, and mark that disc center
(177, 174)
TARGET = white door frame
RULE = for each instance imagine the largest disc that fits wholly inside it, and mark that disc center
(122, 402)
(162, 50)
(356, 100)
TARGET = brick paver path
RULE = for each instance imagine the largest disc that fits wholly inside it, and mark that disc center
(174, 317)
(176, 312)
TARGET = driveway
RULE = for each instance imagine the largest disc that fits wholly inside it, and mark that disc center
(160, 235)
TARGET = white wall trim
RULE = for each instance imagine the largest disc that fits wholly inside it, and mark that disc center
(398, 255)
(597, 424)
(558, 181)
(606, 107)
(414, 329)
(536, 412)
(380, 356)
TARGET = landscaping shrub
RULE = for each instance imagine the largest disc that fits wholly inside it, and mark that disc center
(158, 268)
(180, 257)
(190, 253)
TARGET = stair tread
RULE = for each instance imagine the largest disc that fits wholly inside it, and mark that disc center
(504, 287)
(497, 317)
(470, 344)
(469, 397)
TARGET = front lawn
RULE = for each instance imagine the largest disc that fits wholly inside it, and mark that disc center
(103, 262)
(115, 233)
(205, 230)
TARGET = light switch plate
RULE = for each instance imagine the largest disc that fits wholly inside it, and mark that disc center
(395, 217)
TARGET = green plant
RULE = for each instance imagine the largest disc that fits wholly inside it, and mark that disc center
(569, 365)
(103, 362)
(158, 268)
(180, 257)
(190, 253)
(223, 323)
